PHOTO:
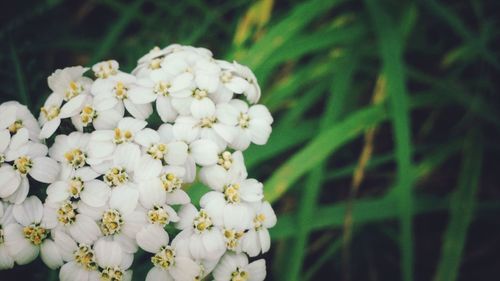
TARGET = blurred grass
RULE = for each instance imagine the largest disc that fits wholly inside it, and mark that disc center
(317, 63)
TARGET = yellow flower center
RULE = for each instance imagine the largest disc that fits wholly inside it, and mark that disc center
(161, 88)
(199, 94)
(239, 275)
(66, 214)
(202, 222)
(105, 70)
(75, 158)
(87, 115)
(14, 127)
(2, 159)
(258, 221)
(225, 160)
(157, 151)
(244, 120)
(164, 258)
(226, 76)
(35, 234)
(84, 255)
(116, 176)
(75, 187)
(50, 112)
(231, 193)
(74, 89)
(158, 215)
(170, 182)
(1, 235)
(111, 274)
(111, 222)
(232, 238)
(120, 91)
(155, 63)
(23, 164)
(208, 122)
(122, 136)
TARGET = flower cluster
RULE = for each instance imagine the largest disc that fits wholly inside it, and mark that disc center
(116, 185)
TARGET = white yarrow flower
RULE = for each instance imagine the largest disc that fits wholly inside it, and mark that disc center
(236, 267)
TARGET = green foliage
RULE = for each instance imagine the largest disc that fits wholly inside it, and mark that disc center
(318, 63)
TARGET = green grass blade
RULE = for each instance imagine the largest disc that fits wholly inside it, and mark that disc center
(327, 142)
(281, 32)
(340, 90)
(314, 73)
(320, 148)
(283, 138)
(390, 45)
(115, 31)
(304, 44)
(365, 211)
(462, 206)
(461, 29)
(21, 81)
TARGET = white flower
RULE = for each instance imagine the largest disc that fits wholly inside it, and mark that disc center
(153, 198)
(80, 259)
(102, 143)
(201, 82)
(231, 82)
(257, 239)
(119, 220)
(70, 150)
(104, 69)
(168, 264)
(151, 62)
(14, 116)
(50, 254)
(69, 82)
(160, 146)
(25, 237)
(64, 215)
(228, 164)
(157, 89)
(79, 185)
(113, 261)
(206, 266)
(6, 218)
(254, 125)
(230, 202)
(26, 157)
(53, 111)
(253, 91)
(120, 170)
(235, 267)
(110, 91)
(201, 151)
(233, 237)
(100, 120)
(204, 238)
(213, 123)
(4, 144)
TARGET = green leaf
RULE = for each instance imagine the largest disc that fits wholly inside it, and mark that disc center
(391, 51)
(462, 207)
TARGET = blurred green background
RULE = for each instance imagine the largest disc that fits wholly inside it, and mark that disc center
(383, 162)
